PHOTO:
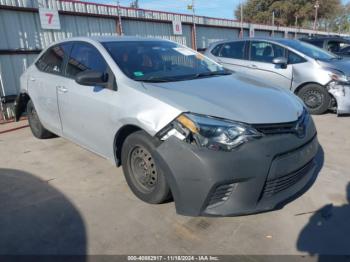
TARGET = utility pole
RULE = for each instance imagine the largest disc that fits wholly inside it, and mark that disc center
(135, 4)
(273, 24)
(119, 18)
(317, 6)
(241, 33)
(194, 26)
(296, 26)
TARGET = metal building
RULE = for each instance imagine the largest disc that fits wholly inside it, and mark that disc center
(22, 38)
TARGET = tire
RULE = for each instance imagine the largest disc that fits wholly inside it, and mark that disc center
(316, 98)
(36, 127)
(143, 174)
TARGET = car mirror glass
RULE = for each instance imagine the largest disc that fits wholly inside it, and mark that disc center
(91, 78)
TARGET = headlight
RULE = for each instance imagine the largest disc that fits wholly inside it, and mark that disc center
(209, 132)
(337, 75)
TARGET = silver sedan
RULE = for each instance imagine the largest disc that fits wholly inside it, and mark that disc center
(180, 125)
(321, 79)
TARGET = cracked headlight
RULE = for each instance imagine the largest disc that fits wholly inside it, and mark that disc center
(337, 75)
(210, 132)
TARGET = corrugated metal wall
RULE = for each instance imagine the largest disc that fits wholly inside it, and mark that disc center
(11, 68)
(208, 35)
(301, 35)
(158, 30)
(262, 33)
(22, 30)
(291, 35)
(279, 34)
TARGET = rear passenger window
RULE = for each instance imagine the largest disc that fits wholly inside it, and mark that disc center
(233, 50)
(85, 57)
(52, 60)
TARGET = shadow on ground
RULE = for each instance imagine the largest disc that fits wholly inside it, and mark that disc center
(328, 231)
(36, 218)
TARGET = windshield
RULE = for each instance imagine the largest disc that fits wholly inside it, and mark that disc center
(310, 50)
(161, 61)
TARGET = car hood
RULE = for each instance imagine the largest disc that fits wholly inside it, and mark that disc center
(341, 65)
(236, 97)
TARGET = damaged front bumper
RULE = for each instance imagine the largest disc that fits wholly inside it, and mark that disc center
(258, 176)
(341, 94)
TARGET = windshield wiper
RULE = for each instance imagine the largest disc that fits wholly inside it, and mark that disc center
(155, 79)
(207, 74)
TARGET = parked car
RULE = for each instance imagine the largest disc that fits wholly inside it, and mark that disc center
(318, 77)
(335, 44)
(180, 125)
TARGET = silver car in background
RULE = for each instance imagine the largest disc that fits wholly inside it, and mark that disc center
(180, 125)
(321, 79)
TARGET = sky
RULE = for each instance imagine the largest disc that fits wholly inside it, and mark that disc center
(213, 8)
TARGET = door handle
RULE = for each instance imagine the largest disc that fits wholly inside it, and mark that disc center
(254, 66)
(32, 79)
(62, 89)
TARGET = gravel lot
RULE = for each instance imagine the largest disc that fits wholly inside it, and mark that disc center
(58, 198)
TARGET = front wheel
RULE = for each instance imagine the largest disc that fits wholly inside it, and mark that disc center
(143, 174)
(316, 98)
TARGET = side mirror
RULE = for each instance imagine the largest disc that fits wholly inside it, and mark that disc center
(281, 61)
(91, 78)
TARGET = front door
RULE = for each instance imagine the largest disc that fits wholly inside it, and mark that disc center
(85, 110)
(261, 55)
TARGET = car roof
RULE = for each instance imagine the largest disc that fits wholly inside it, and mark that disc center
(268, 39)
(325, 38)
(104, 39)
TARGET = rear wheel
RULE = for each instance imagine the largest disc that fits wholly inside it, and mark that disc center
(37, 128)
(316, 98)
(143, 174)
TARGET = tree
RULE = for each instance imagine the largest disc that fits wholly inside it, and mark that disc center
(339, 22)
(260, 11)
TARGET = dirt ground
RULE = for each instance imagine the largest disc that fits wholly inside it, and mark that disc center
(57, 198)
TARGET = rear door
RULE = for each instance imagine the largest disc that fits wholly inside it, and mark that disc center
(43, 82)
(261, 55)
(85, 110)
(232, 55)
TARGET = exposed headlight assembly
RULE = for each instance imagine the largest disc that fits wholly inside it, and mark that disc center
(337, 75)
(210, 132)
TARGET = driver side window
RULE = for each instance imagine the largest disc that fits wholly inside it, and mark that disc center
(85, 57)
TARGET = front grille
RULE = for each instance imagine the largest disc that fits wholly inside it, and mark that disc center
(220, 194)
(279, 184)
(272, 129)
(296, 127)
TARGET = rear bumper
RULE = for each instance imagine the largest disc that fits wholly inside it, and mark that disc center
(259, 176)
